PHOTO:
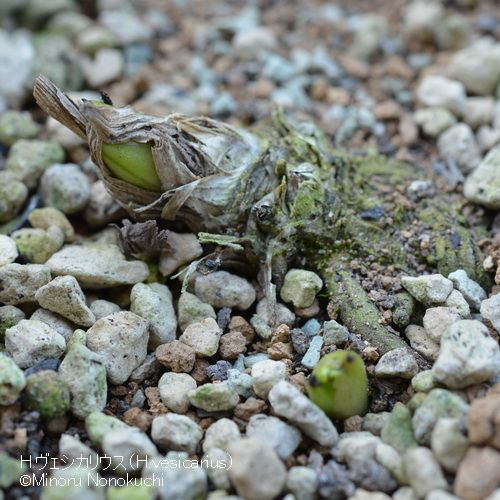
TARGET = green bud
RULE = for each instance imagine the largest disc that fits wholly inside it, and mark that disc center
(339, 385)
(132, 162)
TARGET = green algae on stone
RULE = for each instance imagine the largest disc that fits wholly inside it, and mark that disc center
(214, 397)
(191, 309)
(9, 316)
(44, 218)
(97, 425)
(397, 431)
(12, 380)
(46, 393)
(439, 403)
(85, 376)
(38, 245)
(404, 307)
(15, 125)
(13, 195)
(11, 470)
(28, 159)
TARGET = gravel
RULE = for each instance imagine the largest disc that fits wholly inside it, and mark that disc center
(223, 289)
(300, 287)
(254, 459)
(287, 401)
(19, 283)
(31, 341)
(468, 355)
(397, 363)
(174, 389)
(153, 302)
(274, 432)
(265, 375)
(220, 435)
(176, 432)
(121, 341)
(64, 296)
(203, 337)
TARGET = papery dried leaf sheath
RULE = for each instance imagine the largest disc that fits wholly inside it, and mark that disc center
(282, 191)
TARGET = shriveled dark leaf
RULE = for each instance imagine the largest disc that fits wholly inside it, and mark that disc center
(142, 239)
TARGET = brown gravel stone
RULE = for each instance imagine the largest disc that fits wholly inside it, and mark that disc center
(353, 424)
(478, 474)
(232, 344)
(281, 334)
(299, 380)
(241, 325)
(199, 371)
(138, 418)
(307, 312)
(177, 356)
(281, 350)
(250, 407)
(484, 420)
(156, 407)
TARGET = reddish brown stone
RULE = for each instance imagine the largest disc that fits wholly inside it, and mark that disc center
(176, 356)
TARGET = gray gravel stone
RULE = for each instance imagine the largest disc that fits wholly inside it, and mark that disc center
(177, 483)
(203, 336)
(9, 316)
(56, 322)
(8, 250)
(73, 448)
(300, 287)
(220, 434)
(369, 474)
(183, 249)
(397, 363)
(174, 389)
(449, 443)
(29, 159)
(334, 333)
(459, 144)
(44, 218)
(280, 316)
(302, 482)
(96, 266)
(311, 357)
(437, 91)
(483, 184)
(121, 341)
(29, 342)
(176, 432)
(16, 65)
(153, 302)
(106, 66)
(19, 283)
(430, 289)
(265, 375)
(287, 401)
(12, 380)
(98, 425)
(191, 309)
(127, 448)
(241, 382)
(457, 301)
(274, 432)
(64, 296)
(426, 474)
(437, 319)
(214, 397)
(85, 375)
(468, 355)
(422, 342)
(102, 308)
(65, 187)
(219, 476)
(434, 121)
(256, 472)
(472, 291)
(477, 67)
(439, 403)
(478, 111)
(222, 289)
